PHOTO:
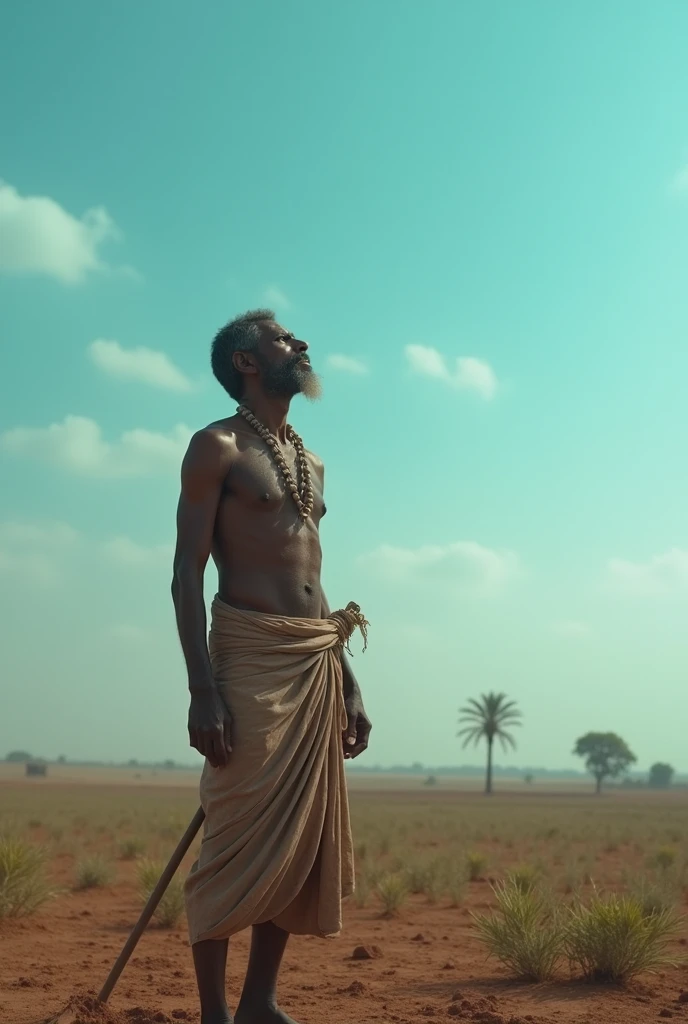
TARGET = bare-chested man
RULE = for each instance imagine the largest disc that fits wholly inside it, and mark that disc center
(275, 708)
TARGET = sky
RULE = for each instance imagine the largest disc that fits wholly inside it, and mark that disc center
(477, 215)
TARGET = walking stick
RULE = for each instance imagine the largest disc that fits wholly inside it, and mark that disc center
(151, 906)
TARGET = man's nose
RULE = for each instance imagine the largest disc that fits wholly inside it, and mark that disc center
(301, 346)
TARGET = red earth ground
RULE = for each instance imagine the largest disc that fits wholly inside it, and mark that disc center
(430, 966)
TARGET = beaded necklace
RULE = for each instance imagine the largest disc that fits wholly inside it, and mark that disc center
(303, 495)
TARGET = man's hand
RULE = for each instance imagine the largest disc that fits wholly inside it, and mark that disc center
(210, 725)
(357, 727)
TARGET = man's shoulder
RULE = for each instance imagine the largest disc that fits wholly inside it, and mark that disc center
(222, 430)
(215, 441)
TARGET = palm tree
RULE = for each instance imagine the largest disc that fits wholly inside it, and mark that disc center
(489, 717)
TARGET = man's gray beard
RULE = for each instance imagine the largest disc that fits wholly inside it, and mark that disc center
(291, 379)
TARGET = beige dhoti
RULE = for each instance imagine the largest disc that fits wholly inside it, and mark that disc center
(277, 838)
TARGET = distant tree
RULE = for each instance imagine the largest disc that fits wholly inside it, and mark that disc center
(529, 779)
(169, 764)
(489, 718)
(18, 756)
(661, 775)
(606, 755)
(62, 759)
(431, 780)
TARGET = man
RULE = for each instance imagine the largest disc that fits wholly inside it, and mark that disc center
(275, 708)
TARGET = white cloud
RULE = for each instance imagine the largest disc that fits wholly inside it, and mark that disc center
(468, 374)
(660, 574)
(35, 550)
(571, 627)
(38, 236)
(464, 564)
(77, 445)
(139, 364)
(47, 533)
(679, 183)
(274, 296)
(126, 632)
(127, 552)
(47, 552)
(345, 364)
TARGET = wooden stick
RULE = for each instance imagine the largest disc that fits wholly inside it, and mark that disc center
(151, 906)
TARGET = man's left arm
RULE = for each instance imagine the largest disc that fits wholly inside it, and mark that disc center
(358, 724)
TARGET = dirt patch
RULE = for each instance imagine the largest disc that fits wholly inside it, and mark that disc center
(87, 1010)
(433, 967)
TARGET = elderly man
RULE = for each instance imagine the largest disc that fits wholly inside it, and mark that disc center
(275, 708)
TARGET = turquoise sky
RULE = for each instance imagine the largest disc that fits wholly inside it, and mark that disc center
(477, 214)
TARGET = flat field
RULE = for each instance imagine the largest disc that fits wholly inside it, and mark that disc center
(99, 826)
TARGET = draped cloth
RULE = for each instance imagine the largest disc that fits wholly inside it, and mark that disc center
(277, 838)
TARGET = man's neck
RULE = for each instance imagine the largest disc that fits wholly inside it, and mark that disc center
(272, 413)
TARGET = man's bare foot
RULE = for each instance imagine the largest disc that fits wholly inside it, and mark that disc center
(262, 1014)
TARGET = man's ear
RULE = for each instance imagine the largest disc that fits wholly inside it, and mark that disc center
(244, 363)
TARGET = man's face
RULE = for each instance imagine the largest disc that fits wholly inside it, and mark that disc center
(284, 364)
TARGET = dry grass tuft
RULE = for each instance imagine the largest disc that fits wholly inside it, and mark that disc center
(524, 933)
(456, 887)
(655, 897)
(93, 873)
(524, 877)
(362, 891)
(130, 849)
(171, 907)
(613, 939)
(435, 882)
(393, 892)
(476, 864)
(23, 888)
(665, 858)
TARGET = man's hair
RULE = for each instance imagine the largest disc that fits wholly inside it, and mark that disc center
(240, 335)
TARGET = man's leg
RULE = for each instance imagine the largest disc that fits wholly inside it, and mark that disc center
(210, 961)
(258, 1004)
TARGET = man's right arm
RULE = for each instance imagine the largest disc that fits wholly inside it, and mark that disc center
(204, 471)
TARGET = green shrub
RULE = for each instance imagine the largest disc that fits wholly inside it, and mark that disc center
(171, 906)
(456, 887)
(435, 882)
(23, 888)
(362, 890)
(393, 892)
(613, 939)
(148, 875)
(476, 864)
(665, 858)
(655, 897)
(569, 879)
(524, 877)
(416, 878)
(523, 933)
(130, 849)
(93, 873)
